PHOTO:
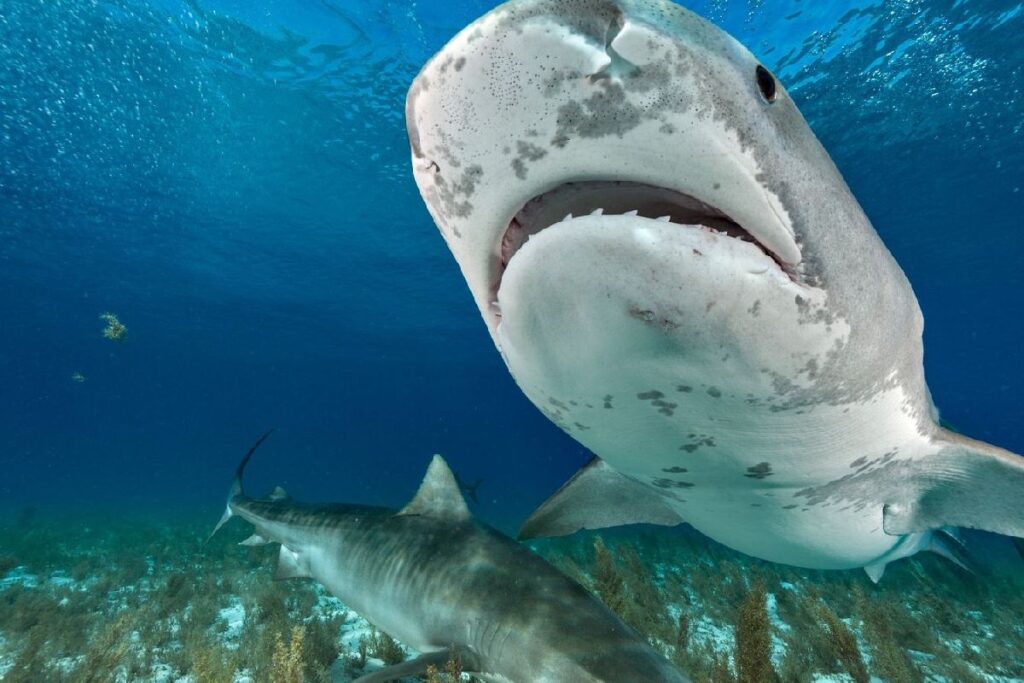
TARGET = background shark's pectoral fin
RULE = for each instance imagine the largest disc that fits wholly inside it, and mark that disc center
(419, 665)
(595, 498)
(290, 566)
(968, 484)
(254, 540)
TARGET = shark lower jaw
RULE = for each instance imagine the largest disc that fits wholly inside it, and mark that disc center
(644, 202)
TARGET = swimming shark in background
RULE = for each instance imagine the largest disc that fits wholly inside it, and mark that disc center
(677, 275)
(449, 586)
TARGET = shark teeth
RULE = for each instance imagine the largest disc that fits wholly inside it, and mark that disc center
(597, 212)
(568, 216)
(631, 213)
(664, 219)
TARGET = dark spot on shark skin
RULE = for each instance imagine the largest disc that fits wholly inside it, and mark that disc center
(558, 404)
(755, 308)
(714, 392)
(711, 304)
(672, 484)
(664, 407)
(608, 401)
(556, 417)
(717, 186)
(761, 470)
(697, 441)
(675, 470)
(698, 252)
(573, 403)
(459, 63)
(650, 318)
(464, 187)
(656, 399)
(811, 368)
(581, 426)
(519, 167)
(862, 488)
(684, 388)
(859, 461)
(528, 152)
(790, 507)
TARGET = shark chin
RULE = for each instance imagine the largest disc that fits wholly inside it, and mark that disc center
(678, 276)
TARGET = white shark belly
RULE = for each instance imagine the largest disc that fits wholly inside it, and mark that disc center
(743, 473)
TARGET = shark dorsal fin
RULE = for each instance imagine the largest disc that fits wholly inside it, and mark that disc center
(278, 494)
(438, 495)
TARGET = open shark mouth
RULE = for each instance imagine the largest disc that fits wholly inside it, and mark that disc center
(604, 197)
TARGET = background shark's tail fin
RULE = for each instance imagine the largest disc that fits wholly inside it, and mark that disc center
(236, 483)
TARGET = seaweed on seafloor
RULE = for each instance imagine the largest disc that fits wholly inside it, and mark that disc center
(452, 672)
(889, 660)
(844, 644)
(645, 605)
(213, 663)
(7, 563)
(753, 655)
(608, 582)
(382, 646)
(287, 660)
(108, 652)
(320, 648)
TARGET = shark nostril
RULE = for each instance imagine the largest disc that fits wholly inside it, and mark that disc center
(618, 66)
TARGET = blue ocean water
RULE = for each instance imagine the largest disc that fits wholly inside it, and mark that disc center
(232, 180)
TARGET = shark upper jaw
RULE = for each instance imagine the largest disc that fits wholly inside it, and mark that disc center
(645, 202)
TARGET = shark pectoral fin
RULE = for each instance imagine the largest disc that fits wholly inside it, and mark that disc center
(595, 498)
(290, 566)
(968, 484)
(253, 540)
(413, 667)
(439, 495)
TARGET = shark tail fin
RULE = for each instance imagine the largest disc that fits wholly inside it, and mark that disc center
(236, 484)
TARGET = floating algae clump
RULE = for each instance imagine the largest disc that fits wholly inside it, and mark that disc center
(115, 329)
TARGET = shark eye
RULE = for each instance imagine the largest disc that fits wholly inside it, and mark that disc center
(766, 83)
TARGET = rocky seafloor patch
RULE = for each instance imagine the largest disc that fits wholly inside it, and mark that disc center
(103, 600)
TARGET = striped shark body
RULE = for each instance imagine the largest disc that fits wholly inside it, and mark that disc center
(447, 585)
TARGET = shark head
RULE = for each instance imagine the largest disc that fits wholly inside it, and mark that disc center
(621, 182)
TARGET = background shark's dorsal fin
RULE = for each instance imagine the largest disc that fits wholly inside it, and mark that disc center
(438, 495)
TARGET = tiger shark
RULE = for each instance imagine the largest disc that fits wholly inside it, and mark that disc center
(450, 587)
(677, 275)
